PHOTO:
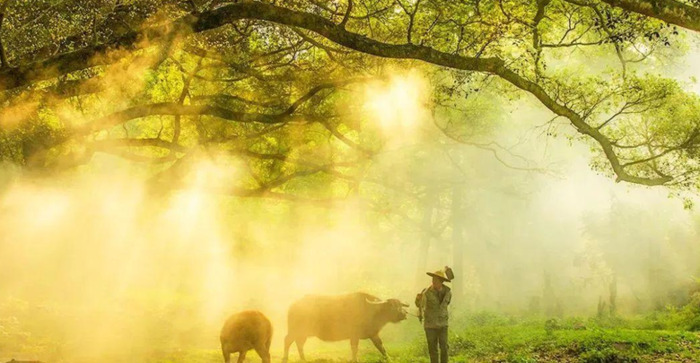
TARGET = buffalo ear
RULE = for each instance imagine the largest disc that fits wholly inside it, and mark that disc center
(405, 305)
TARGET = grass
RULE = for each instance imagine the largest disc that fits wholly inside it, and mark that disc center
(480, 338)
(531, 342)
(510, 340)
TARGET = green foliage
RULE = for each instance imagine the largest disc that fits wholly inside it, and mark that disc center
(686, 317)
(542, 341)
(263, 68)
(488, 339)
(606, 355)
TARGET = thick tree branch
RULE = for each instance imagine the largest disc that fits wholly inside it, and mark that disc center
(176, 109)
(348, 11)
(97, 55)
(3, 54)
(152, 142)
(319, 25)
(670, 11)
(363, 44)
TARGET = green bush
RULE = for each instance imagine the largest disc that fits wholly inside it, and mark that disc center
(460, 344)
(487, 318)
(520, 358)
(606, 355)
(694, 324)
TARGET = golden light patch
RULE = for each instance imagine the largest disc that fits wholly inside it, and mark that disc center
(399, 104)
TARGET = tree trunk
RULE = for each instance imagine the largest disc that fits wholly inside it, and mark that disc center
(458, 239)
(613, 295)
(426, 236)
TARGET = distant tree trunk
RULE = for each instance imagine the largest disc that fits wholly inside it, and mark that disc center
(458, 239)
(426, 236)
(654, 272)
(613, 295)
(548, 296)
(601, 307)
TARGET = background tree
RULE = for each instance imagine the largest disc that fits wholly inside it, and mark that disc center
(227, 52)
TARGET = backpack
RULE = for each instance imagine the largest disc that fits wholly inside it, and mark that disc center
(419, 299)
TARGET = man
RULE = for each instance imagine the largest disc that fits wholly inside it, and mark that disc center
(432, 305)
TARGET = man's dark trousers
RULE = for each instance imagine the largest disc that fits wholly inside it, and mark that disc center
(437, 336)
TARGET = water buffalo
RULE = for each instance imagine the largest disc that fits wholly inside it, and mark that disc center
(245, 331)
(332, 318)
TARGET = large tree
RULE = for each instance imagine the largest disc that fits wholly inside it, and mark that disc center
(274, 83)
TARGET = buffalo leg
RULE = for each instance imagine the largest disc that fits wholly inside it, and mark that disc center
(288, 340)
(353, 347)
(378, 343)
(263, 352)
(241, 356)
(300, 347)
(226, 353)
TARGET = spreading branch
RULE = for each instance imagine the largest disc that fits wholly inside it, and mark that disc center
(65, 63)
(670, 11)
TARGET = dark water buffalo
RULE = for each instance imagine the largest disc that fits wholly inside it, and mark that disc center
(245, 331)
(332, 318)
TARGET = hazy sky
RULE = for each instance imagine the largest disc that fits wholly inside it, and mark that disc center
(689, 67)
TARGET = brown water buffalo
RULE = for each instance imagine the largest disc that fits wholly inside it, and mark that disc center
(332, 318)
(245, 331)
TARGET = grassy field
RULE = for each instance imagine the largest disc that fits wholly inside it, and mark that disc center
(505, 340)
(476, 338)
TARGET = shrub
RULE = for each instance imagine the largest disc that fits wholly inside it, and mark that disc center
(606, 355)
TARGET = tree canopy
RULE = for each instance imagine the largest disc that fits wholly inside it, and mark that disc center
(274, 88)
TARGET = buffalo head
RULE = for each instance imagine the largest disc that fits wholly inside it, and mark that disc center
(393, 309)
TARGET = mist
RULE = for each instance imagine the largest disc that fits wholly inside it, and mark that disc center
(100, 262)
(95, 264)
